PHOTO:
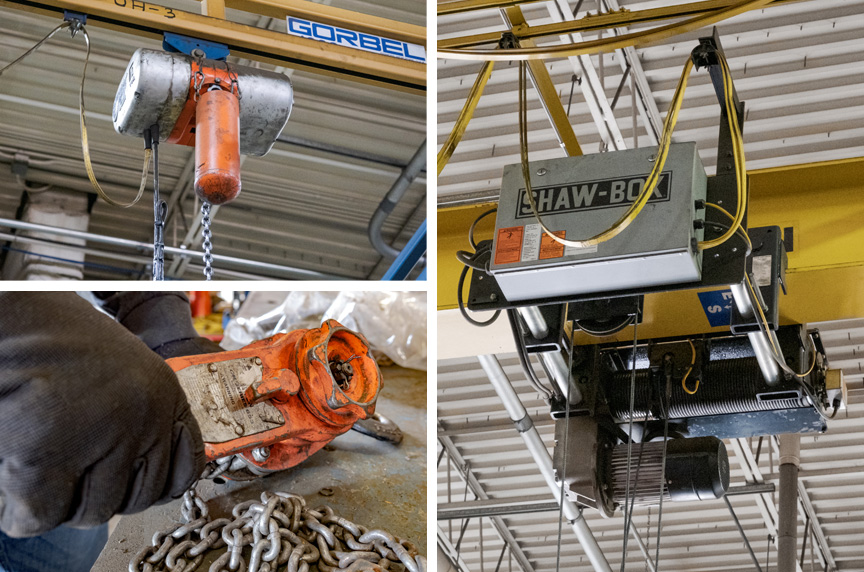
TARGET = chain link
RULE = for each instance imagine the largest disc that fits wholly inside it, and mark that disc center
(278, 534)
(208, 243)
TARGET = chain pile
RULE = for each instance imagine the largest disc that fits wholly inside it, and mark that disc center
(208, 244)
(278, 534)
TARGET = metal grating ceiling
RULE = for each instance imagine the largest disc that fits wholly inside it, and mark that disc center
(696, 536)
(300, 207)
(798, 67)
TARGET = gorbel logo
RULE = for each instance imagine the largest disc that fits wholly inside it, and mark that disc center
(356, 40)
(605, 193)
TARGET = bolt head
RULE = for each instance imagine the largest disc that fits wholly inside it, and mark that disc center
(212, 368)
(257, 361)
(541, 171)
(261, 454)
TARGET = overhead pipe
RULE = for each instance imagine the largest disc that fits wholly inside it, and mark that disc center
(298, 273)
(787, 513)
(392, 198)
(537, 448)
(143, 260)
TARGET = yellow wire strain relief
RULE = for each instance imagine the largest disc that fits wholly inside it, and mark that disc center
(605, 45)
(686, 375)
(650, 184)
(85, 145)
(732, 218)
(738, 151)
(775, 350)
(464, 116)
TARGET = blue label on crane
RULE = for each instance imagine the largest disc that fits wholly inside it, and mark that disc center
(717, 306)
(356, 40)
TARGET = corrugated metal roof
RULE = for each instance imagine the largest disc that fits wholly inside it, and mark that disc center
(299, 207)
(798, 67)
(696, 535)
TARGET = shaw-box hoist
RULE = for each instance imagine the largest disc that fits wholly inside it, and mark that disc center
(678, 396)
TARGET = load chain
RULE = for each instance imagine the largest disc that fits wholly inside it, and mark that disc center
(278, 534)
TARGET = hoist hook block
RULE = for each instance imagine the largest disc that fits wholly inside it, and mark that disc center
(292, 393)
(223, 109)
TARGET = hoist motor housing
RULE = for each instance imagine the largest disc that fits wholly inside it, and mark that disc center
(578, 197)
(158, 85)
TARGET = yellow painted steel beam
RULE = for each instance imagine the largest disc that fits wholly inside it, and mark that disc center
(823, 203)
(548, 94)
(213, 8)
(151, 20)
(594, 22)
(332, 16)
(459, 6)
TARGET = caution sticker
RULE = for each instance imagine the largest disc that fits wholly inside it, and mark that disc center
(551, 248)
(508, 247)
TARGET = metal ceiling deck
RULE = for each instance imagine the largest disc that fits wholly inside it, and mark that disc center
(299, 207)
(797, 66)
(698, 536)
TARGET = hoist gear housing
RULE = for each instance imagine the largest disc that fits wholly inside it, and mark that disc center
(292, 393)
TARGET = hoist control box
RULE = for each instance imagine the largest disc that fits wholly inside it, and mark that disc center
(579, 197)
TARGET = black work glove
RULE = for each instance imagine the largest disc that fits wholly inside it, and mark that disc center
(163, 321)
(92, 422)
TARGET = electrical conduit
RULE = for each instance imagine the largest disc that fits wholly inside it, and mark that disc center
(392, 198)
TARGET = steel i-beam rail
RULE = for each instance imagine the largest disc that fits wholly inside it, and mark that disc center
(151, 20)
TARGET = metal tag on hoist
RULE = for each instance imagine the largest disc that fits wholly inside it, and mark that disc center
(215, 394)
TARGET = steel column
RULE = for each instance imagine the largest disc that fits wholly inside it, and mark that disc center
(787, 526)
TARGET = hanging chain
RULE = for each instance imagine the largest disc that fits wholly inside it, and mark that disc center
(278, 534)
(208, 243)
(160, 208)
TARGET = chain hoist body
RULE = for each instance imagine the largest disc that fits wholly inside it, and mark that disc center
(223, 110)
(277, 401)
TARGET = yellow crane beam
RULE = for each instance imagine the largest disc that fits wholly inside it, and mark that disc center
(150, 20)
(819, 202)
(591, 22)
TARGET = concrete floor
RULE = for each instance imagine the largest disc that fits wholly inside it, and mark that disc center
(375, 484)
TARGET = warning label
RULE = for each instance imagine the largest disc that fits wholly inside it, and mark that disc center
(217, 401)
(551, 248)
(508, 246)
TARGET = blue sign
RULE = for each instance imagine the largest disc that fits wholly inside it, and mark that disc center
(717, 306)
(356, 40)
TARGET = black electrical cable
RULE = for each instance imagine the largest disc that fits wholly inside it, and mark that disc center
(478, 261)
(462, 309)
(740, 233)
(474, 225)
(522, 353)
(591, 331)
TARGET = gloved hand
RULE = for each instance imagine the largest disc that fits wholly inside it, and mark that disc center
(163, 321)
(92, 422)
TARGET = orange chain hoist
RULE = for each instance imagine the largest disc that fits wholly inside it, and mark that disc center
(223, 109)
(277, 401)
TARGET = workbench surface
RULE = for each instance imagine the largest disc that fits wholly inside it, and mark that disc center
(374, 484)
